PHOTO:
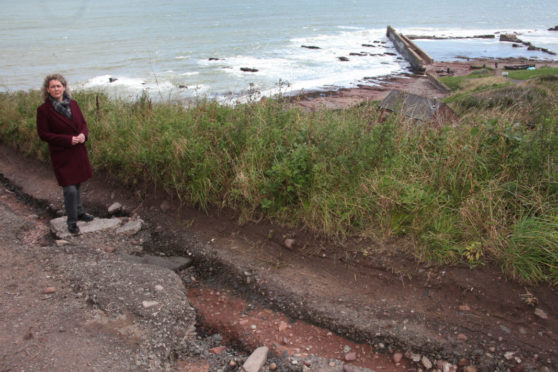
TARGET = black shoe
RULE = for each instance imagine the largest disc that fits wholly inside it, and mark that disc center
(85, 217)
(73, 229)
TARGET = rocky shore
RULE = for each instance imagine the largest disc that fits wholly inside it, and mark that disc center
(378, 88)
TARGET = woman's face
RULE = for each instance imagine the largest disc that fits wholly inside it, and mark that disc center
(56, 89)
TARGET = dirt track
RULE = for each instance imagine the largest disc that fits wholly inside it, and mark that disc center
(453, 314)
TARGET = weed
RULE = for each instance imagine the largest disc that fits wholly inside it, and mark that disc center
(484, 190)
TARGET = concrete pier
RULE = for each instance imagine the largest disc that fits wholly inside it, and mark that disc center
(417, 57)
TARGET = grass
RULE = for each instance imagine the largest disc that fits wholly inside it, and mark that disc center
(457, 82)
(531, 74)
(483, 191)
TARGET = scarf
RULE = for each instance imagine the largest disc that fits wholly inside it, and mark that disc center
(62, 107)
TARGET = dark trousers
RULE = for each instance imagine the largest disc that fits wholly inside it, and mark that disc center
(72, 203)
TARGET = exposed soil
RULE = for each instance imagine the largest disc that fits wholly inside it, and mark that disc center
(301, 297)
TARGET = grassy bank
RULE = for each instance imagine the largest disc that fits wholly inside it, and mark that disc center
(482, 191)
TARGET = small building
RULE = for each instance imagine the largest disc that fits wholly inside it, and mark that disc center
(418, 108)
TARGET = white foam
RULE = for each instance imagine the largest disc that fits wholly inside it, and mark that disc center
(292, 68)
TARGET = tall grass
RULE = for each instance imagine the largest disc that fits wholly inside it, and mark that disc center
(482, 191)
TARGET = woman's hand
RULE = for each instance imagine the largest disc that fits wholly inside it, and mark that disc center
(78, 139)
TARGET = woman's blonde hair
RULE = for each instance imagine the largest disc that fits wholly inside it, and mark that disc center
(48, 79)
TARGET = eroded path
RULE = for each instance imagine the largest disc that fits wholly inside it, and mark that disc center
(469, 318)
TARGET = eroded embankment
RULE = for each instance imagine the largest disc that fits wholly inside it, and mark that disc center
(455, 315)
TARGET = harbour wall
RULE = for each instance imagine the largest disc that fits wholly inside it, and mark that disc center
(417, 57)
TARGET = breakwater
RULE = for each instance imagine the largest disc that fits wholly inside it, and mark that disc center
(409, 50)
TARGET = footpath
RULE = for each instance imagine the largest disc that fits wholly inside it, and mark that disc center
(93, 302)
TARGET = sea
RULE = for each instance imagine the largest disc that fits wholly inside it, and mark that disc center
(232, 50)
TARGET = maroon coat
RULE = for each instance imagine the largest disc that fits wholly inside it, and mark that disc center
(70, 162)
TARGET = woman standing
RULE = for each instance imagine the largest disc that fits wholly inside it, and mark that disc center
(61, 124)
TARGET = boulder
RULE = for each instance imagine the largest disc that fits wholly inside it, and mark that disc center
(510, 37)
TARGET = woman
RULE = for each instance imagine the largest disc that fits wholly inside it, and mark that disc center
(60, 123)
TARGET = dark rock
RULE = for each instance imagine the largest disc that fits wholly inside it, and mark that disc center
(248, 69)
(213, 59)
(555, 28)
(343, 59)
(181, 86)
(516, 45)
(369, 45)
(112, 80)
(390, 54)
(310, 47)
(361, 54)
(510, 37)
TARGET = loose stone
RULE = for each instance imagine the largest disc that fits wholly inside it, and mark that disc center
(426, 362)
(541, 313)
(289, 243)
(257, 360)
(114, 208)
(218, 350)
(148, 304)
(509, 355)
(505, 329)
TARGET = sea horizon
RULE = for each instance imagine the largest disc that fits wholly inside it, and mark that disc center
(228, 49)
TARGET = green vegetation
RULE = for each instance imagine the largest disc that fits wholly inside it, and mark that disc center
(482, 191)
(457, 82)
(530, 74)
